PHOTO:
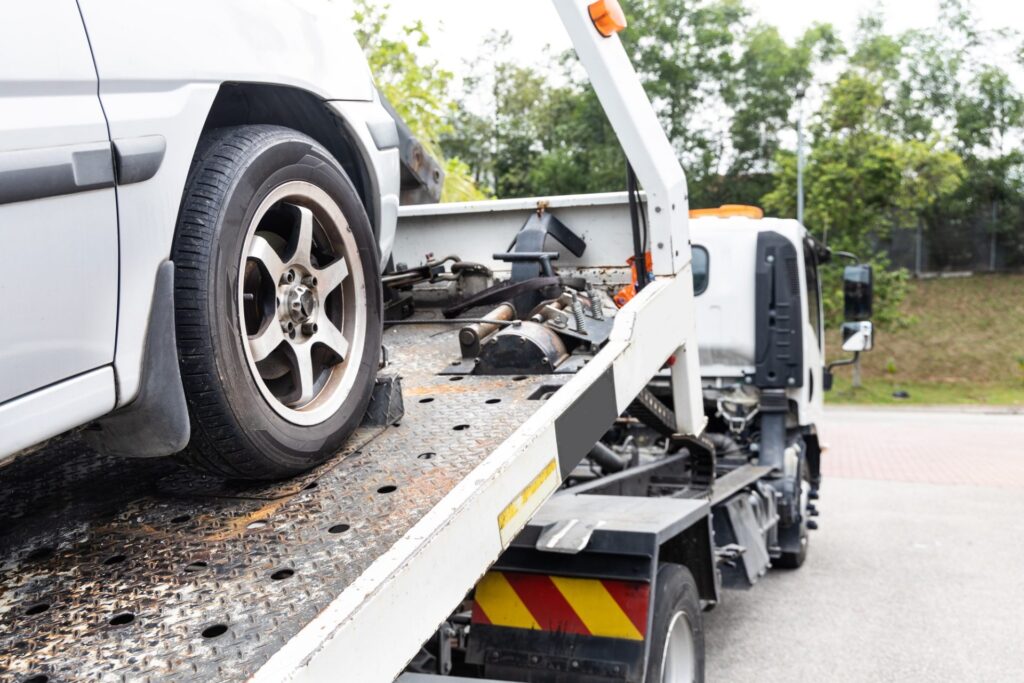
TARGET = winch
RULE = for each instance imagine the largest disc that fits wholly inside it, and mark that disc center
(535, 322)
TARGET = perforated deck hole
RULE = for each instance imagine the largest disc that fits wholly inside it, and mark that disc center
(339, 529)
(42, 553)
(282, 574)
(492, 401)
(428, 399)
(256, 524)
(215, 630)
(196, 566)
(115, 559)
(426, 456)
(122, 619)
(519, 378)
(389, 488)
(180, 519)
(37, 608)
(310, 485)
(460, 428)
(455, 378)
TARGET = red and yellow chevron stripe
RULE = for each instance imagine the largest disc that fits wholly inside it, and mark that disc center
(592, 607)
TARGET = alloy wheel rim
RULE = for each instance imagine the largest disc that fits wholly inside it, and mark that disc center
(302, 303)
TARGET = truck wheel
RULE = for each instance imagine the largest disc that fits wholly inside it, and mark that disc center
(677, 633)
(277, 303)
(795, 560)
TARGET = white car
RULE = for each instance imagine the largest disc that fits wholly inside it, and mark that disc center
(196, 201)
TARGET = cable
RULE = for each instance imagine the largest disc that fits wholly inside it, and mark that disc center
(639, 234)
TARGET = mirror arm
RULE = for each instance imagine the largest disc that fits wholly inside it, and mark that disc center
(845, 361)
(847, 254)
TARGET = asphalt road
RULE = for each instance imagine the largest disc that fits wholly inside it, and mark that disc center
(916, 572)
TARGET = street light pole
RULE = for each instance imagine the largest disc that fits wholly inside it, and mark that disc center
(800, 156)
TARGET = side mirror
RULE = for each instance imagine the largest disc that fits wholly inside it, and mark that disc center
(858, 283)
(858, 336)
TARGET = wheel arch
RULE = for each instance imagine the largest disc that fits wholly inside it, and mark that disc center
(693, 548)
(243, 103)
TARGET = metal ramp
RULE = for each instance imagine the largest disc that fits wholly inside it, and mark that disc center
(128, 569)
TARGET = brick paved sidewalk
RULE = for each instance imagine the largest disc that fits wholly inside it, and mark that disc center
(926, 446)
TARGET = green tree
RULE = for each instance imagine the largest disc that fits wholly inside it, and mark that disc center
(531, 137)
(417, 89)
(989, 116)
(860, 180)
(686, 53)
(772, 75)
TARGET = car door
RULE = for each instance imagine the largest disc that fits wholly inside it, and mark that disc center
(58, 211)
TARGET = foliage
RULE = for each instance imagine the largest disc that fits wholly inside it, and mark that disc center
(961, 349)
(417, 89)
(858, 180)
(919, 129)
(527, 137)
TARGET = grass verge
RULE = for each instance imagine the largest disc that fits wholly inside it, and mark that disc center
(963, 343)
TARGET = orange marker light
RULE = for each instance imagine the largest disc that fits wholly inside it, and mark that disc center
(728, 211)
(607, 16)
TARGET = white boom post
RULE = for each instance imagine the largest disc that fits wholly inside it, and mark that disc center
(653, 158)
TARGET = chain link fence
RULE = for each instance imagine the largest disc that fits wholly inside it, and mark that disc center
(976, 244)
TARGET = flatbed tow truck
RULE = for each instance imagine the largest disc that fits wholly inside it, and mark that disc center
(142, 570)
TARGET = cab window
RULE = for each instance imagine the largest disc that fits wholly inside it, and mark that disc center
(700, 269)
(813, 293)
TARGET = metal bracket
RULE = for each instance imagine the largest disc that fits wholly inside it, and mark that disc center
(386, 405)
(529, 259)
(567, 536)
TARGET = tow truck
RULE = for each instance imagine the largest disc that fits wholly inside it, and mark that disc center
(510, 374)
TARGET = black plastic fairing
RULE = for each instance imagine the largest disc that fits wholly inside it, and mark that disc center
(778, 316)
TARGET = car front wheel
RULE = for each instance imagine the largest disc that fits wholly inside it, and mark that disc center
(277, 303)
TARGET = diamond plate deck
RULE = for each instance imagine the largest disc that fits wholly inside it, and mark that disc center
(140, 570)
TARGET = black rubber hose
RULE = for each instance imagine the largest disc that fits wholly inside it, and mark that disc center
(608, 460)
(639, 255)
(725, 445)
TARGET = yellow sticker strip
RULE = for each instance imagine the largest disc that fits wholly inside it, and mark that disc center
(596, 608)
(545, 482)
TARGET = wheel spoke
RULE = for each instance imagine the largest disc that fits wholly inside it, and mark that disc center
(260, 250)
(332, 276)
(304, 244)
(303, 373)
(264, 343)
(331, 336)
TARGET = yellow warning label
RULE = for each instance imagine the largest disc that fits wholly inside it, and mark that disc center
(523, 505)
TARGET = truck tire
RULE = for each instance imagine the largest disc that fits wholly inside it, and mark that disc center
(795, 560)
(677, 632)
(277, 303)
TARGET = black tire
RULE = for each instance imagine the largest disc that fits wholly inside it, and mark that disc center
(236, 432)
(795, 560)
(675, 598)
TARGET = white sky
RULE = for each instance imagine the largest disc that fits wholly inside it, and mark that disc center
(457, 27)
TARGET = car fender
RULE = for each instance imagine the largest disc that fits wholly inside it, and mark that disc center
(160, 66)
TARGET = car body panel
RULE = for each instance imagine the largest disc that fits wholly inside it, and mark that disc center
(55, 409)
(161, 78)
(160, 66)
(59, 253)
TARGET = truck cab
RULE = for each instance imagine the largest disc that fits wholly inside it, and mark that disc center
(734, 332)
